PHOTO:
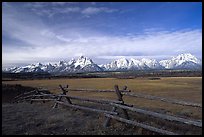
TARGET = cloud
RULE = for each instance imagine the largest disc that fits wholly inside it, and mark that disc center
(50, 9)
(50, 12)
(38, 42)
(96, 10)
(107, 47)
(27, 31)
(68, 10)
(54, 8)
(63, 3)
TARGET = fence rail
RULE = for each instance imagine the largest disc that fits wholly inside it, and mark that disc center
(141, 95)
(41, 95)
(165, 132)
(162, 116)
(168, 100)
(106, 101)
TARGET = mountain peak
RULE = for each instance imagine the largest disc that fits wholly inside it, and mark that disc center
(122, 59)
(186, 57)
(38, 64)
(82, 57)
(82, 61)
(61, 62)
(179, 60)
(71, 61)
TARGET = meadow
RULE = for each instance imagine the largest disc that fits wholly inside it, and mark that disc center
(182, 88)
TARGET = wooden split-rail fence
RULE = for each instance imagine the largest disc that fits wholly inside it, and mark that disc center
(44, 95)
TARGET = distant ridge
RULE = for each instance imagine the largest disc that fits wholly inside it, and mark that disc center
(85, 64)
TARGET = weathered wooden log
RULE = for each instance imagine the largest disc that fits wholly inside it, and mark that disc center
(162, 116)
(23, 98)
(31, 101)
(106, 101)
(90, 90)
(63, 90)
(154, 129)
(87, 108)
(119, 95)
(25, 94)
(41, 99)
(95, 90)
(129, 105)
(173, 101)
(56, 104)
(60, 97)
(44, 94)
(64, 93)
(42, 90)
(30, 96)
(107, 121)
(121, 99)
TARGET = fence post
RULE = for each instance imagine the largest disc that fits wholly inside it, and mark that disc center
(107, 121)
(60, 97)
(65, 92)
(119, 95)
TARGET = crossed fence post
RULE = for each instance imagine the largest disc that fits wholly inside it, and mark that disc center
(64, 92)
(119, 95)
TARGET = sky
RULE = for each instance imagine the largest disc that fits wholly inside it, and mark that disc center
(103, 31)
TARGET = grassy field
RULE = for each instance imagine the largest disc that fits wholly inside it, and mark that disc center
(183, 88)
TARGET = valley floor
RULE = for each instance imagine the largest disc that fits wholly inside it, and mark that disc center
(40, 118)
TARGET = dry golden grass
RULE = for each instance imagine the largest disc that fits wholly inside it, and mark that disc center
(183, 88)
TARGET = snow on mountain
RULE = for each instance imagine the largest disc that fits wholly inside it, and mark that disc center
(179, 60)
(91, 67)
(72, 61)
(133, 64)
(84, 64)
(189, 65)
(28, 68)
(58, 67)
(117, 64)
(152, 63)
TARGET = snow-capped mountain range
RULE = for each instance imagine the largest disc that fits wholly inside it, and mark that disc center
(82, 64)
(85, 64)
